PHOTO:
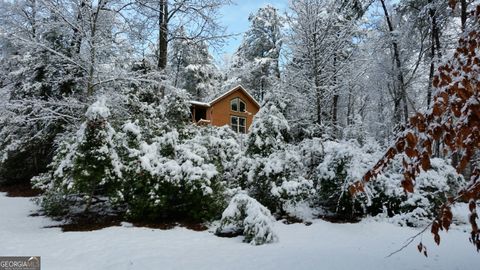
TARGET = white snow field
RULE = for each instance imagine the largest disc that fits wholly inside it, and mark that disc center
(322, 245)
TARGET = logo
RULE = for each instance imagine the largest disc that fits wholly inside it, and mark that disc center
(20, 263)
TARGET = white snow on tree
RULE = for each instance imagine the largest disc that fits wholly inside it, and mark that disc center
(87, 162)
(247, 216)
(269, 129)
(192, 67)
(256, 63)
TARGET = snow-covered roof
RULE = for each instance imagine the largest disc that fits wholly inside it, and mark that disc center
(206, 104)
(239, 87)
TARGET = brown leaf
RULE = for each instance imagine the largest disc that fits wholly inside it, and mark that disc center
(411, 152)
(452, 4)
(352, 190)
(436, 81)
(400, 145)
(420, 247)
(407, 185)
(435, 227)
(463, 164)
(447, 217)
(472, 206)
(391, 153)
(411, 139)
(437, 109)
(437, 238)
(425, 162)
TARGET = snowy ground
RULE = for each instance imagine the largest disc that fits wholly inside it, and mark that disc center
(320, 246)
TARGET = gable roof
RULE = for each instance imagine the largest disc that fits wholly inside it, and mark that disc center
(237, 88)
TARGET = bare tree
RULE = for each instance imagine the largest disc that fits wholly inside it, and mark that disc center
(199, 18)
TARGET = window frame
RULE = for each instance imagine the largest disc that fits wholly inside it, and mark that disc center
(238, 101)
(238, 127)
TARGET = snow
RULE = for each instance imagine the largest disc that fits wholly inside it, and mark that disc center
(98, 110)
(247, 215)
(205, 104)
(132, 127)
(322, 245)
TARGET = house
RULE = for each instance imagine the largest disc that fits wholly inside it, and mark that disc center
(235, 108)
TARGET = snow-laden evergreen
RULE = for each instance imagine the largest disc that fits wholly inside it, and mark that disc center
(256, 64)
(247, 216)
(95, 110)
(162, 166)
(193, 69)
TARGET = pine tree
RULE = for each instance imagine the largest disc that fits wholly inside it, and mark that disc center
(192, 67)
(87, 163)
(256, 63)
(269, 130)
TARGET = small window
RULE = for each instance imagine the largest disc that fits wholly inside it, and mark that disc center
(242, 106)
(234, 104)
(237, 105)
(238, 124)
(241, 125)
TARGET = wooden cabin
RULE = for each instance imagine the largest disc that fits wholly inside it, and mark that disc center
(235, 108)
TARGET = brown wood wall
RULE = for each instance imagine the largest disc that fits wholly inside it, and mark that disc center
(220, 112)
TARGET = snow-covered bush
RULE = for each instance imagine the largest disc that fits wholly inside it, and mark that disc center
(334, 166)
(247, 216)
(223, 148)
(175, 179)
(356, 130)
(87, 163)
(342, 164)
(269, 130)
(271, 171)
(431, 190)
(275, 180)
(177, 108)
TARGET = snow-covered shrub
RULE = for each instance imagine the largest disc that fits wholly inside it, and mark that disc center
(342, 164)
(177, 108)
(334, 166)
(431, 190)
(128, 141)
(223, 148)
(175, 179)
(269, 130)
(87, 163)
(356, 130)
(312, 152)
(145, 106)
(271, 170)
(247, 216)
(275, 180)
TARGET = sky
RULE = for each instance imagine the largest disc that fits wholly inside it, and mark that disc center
(235, 18)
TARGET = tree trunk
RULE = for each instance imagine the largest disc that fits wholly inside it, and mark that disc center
(316, 78)
(434, 51)
(396, 52)
(33, 18)
(463, 7)
(77, 36)
(335, 98)
(334, 115)
(350, 107)
(162, 35)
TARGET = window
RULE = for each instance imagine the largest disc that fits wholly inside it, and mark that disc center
(238, 124)
(237, 105)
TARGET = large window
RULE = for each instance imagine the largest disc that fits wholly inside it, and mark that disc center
(237, 105)
(238, 124)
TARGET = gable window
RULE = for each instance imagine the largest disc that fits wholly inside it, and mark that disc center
(237, 105)
(238, 124)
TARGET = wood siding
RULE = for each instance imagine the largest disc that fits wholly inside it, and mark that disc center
(220, 112)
